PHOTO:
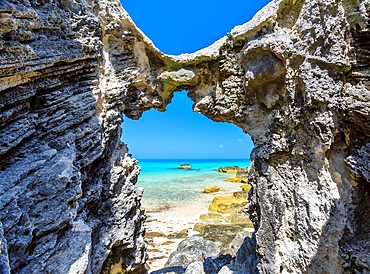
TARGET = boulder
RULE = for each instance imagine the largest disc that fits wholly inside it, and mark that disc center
(246, 258)
(211, 189)
(240, 195)
(192, 244)
(195, 268)
(240, 177)
(226, 205)
(222, 234)
(192, 249)
(242, 174)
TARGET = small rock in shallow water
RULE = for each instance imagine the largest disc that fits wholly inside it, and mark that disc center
(184, 166)
(211, 189)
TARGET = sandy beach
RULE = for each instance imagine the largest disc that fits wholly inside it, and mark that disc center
(162, 227)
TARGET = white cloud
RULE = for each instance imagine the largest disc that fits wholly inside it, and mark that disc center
(221, 146)
(240, 140)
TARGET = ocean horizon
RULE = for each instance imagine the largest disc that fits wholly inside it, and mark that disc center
(165, 185)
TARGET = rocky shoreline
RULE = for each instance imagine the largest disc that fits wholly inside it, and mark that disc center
(209, 233)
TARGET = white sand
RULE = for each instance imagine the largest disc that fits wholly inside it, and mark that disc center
(169, 223)
(162, 227)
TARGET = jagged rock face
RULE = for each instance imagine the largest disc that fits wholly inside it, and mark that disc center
(296, 78)
(67, 196)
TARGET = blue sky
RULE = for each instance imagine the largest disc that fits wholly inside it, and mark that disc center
(177, 27)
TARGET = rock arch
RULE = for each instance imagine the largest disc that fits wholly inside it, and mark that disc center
(296, 78)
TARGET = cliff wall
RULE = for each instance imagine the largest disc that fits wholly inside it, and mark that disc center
(296, 78)
(67, 197)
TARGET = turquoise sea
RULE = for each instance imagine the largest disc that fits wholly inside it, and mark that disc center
(166, 185)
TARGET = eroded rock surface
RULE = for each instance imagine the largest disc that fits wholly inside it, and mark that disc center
(67, 197)
(296, 78)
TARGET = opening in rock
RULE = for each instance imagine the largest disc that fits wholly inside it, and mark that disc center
(180, 152)
(181, 133)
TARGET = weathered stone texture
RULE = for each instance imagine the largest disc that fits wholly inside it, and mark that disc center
(296, 78)
(67, 196)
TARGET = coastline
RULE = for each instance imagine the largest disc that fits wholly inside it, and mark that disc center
(165, 185)
(174, 201)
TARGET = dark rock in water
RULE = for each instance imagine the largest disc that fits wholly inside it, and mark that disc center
(222, 234)
(185, 166)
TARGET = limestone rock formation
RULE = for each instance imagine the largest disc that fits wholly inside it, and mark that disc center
(296, 78)
(68, 201)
